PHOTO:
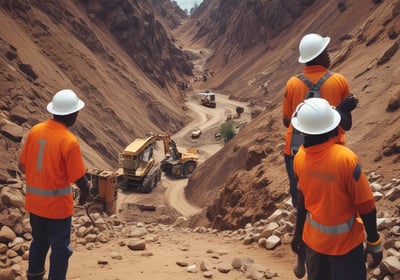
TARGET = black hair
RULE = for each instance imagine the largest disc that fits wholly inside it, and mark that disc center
(68, 120)
(311, 140)
(322, 59)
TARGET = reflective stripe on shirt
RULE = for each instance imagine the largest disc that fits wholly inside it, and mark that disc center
(338, 229)
(49, 193)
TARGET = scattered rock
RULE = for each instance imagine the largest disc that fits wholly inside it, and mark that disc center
(137, 245)
(116, 256)
(182, 263)
(224, 268)
(192, 268)
(272, 242)
(102, 262)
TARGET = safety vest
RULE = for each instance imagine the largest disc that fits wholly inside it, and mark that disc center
(332, 184)
(52, 161)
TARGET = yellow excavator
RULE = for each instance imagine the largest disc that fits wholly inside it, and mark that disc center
(140, 171)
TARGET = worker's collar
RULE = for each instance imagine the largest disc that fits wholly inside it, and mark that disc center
(314, 68)
(317, 148)
(56, 123)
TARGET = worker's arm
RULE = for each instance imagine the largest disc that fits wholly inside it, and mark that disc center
(83, 186)
(300, 219)
(344, 108)
(369, 220)
(286, 121)
(374, 242)
(346, 121)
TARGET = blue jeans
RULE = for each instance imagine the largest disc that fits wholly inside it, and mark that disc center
(292, 178)
(46, 233)
(350, 266)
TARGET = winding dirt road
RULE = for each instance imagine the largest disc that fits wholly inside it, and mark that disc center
(207, 119)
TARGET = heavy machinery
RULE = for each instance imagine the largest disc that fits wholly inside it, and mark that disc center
(103, 190)
(208, 99)
(139, 169)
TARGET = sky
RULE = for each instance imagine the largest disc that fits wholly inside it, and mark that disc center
(188, 4)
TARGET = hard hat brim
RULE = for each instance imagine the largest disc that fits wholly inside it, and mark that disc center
(78, 107)
(310, 58)
(309, 131)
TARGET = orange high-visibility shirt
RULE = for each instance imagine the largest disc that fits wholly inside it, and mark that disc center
(331, 180)
(334, 90)
(52, 160)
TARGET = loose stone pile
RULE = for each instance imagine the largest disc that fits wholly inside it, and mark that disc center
(277, 230)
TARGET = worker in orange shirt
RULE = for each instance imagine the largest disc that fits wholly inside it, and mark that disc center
(335, 204)
(51, 160)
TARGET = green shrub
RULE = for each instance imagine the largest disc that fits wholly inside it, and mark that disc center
(227, 130)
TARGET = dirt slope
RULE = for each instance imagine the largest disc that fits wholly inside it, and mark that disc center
(49, 45)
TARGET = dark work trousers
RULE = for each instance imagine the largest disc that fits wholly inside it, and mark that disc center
(350, 266)
(46, 234)
(292, 178)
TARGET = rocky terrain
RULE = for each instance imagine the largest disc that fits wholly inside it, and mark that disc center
(139, 232)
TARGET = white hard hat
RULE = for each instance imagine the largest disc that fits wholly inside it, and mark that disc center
(65, 102)
(311, 46)
(315, 116)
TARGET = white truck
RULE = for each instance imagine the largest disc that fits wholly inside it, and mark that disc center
(208, 99)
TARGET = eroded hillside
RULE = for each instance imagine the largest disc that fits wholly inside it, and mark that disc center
(114, 54)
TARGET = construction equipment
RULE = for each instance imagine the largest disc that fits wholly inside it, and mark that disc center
(103, 191)
(139, 169)
(208, 99)
(178, 164)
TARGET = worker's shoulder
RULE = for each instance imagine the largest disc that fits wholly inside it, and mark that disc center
(293, 79)
(338, 76)
(294, 83)
(343, 151)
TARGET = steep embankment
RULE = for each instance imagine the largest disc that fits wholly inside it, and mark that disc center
(127, 82)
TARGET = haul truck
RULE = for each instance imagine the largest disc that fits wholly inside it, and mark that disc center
(208, 99)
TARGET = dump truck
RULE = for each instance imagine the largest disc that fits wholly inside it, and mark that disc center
(208, 99)
(139, 169)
